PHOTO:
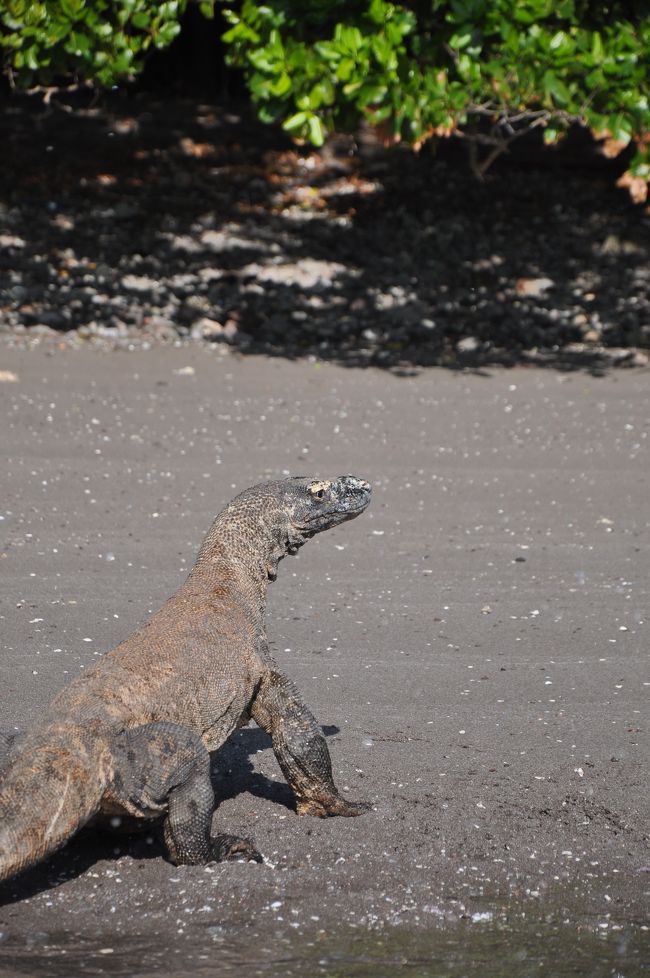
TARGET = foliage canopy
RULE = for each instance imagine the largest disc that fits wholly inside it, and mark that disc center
(96, 40)
(487, 69)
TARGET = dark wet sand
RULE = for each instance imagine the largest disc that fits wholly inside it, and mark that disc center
(475, 645)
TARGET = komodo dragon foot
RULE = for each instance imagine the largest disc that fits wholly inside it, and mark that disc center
(327, 806)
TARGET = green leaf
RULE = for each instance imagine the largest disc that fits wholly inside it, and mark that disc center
(72, 8)
(461, 40)
(596, 47)
(349, 38)
(383, 51)
(30, 58)
(295, 122)
(555, 88)
(78, 43)
(352, 88)
(281, 85)
(370, 95)
(316, 134)
(620, 127)
(378, 11)
(166, 34)
(345, 69)
(141, 20)
(268, 113)
(380, 115)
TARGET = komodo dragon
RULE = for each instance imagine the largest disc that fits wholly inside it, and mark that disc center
(133, 735)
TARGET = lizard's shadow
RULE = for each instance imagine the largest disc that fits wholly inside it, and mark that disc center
(88, 847)
(232, 773)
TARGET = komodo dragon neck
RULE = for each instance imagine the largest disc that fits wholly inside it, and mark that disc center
(244, 544)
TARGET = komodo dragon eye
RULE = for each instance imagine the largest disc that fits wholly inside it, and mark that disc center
(318, 490)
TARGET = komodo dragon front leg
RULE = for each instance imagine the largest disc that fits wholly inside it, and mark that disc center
(163, 769)
(300, 748)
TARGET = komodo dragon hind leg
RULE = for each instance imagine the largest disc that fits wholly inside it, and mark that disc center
(300, 748)
(165, 767)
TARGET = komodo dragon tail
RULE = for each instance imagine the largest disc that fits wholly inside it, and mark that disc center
(53, 786)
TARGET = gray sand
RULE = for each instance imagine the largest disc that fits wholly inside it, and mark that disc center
(475, 645)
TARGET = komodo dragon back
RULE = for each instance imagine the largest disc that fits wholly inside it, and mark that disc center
(133, 735)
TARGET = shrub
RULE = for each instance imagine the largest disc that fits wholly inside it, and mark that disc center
(98, 41)
(490, 70)
(487, 70)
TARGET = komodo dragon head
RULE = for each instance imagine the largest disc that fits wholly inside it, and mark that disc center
(313, 505)
(275, 518)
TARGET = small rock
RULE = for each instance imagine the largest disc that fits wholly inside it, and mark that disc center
(139, 283)
(468, 344)
(210, 274)
(208, 329)
(198, 303)
(11, 241)
(534, 287)
(614, 245)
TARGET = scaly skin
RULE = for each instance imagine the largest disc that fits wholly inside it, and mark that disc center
(133, 735)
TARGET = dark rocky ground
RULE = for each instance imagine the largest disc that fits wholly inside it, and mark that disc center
(140, 220)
